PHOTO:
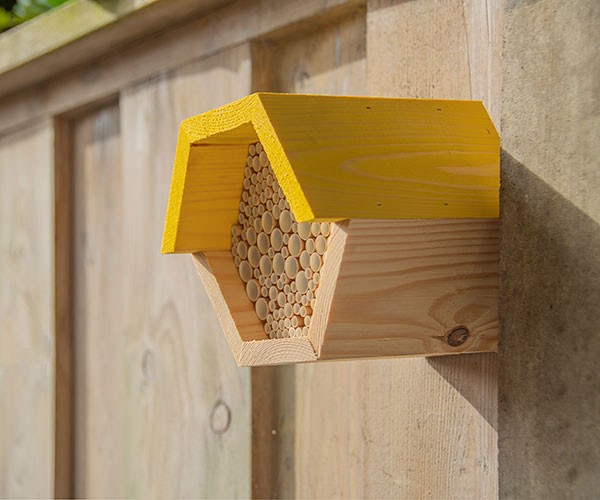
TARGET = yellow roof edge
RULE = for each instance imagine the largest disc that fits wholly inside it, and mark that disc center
(169, 242)
(280, 163)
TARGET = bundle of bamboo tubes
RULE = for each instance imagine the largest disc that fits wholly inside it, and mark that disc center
(277, 258)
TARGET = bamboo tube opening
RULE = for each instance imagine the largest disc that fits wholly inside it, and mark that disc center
(278, 264)
(315, 262)
(251, 236)
(276, 239)
(304, 230)
(266, 266)
(288, 310)
(261, 308)
(295, 245)
(285, 221)
(301, 283)
(291, 267)
(320, 244)
(267, 222)
(253, 256)
(262, 242)
(304, 259)
(245, 271)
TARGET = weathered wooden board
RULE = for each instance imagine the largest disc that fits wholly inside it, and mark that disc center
(549, 376)
(411, 428)
(100, 372)
(27, 313)
(153, 363)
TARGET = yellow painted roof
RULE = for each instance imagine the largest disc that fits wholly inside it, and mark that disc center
(335, 158)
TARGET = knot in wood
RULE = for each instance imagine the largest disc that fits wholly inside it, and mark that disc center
(457, 336)
(220, 417)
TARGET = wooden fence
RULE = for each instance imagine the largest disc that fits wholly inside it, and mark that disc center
(115, 378)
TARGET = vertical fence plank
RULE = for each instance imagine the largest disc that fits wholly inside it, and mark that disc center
(406, 428)
(189, 403)
(26, 313)
(439, 415)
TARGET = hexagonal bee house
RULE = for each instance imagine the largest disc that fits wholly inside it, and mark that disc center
(327, 227)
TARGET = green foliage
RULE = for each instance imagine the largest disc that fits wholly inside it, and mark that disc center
(22, 10)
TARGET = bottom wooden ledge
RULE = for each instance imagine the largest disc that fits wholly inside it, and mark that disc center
(389, 288)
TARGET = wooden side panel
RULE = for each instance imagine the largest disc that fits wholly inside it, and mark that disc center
(163, 409)
(27, 313)
(404, 285)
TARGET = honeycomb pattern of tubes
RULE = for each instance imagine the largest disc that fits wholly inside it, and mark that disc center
(278, 259)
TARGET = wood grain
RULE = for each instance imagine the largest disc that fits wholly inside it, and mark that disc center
(403, 285)
(335, 158)
(154, 363)
(181, 365)
(99, 316)
(27, 313)
(403, 428)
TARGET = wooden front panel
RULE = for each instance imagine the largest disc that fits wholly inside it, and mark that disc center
(26, 313)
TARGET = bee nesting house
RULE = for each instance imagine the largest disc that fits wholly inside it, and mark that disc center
(331, 227)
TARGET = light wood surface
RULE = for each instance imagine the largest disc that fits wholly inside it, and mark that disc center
(26, 313)
(403, 428)
(403, 285)
(335, 158)
(97, 304)
(153, 362)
